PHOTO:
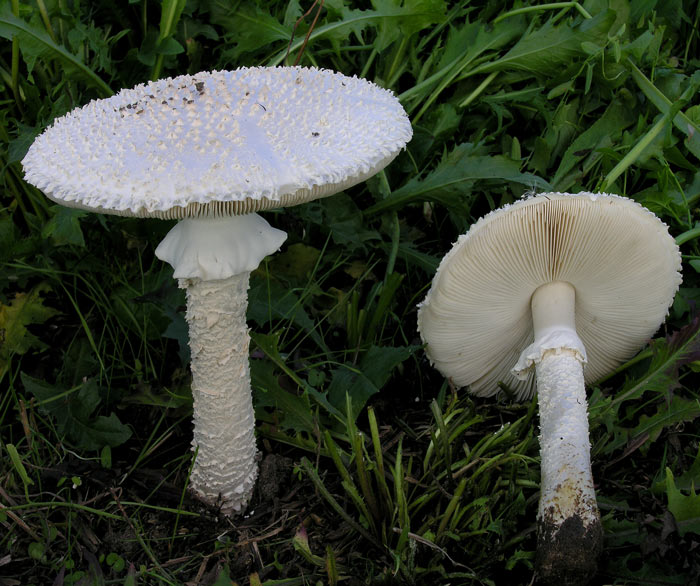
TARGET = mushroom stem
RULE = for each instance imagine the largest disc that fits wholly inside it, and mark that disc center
(225, 468)
(569, 529)
(213, 259)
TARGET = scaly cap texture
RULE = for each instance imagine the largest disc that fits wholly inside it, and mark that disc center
(619, 257)
(219, 143)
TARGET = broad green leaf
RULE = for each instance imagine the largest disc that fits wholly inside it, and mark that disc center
(662, 377)
(451, 182)
(296, 263)
(64, 226)
(685, 509)
(686, 481)
(679, 411)
(669, 354)
(35, 43)
(343, 218)
(25, 309)
(169, 46)
(14, 245)
(251, 28)
(414, 257)
(403, 18)
(19, 146)
(294, 409)
(411, 14)
(542, 50)
(367, 378)
(73, 409)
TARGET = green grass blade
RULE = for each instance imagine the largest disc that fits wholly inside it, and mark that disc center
(325, 493)
(449, 511)
(18, 465)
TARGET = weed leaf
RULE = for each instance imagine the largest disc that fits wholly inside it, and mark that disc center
(294, 408)
(542, 50)
(169, 17)
(685, 509)
(35, 44)
(367, 378)
(603, 133)
(64, 226)
(390, 18)
(464, 47)
(452, 180)
(73, 410)
(25, 309)
(650, 427)
(689, 127)
(255, 28)
(403, 18)
(275, 301)
(669, 354)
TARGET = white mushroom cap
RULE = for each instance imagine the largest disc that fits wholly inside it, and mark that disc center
(618, 256)
(219, 143)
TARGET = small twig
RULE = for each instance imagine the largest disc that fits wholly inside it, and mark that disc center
(250, 540)
(551, 6)
(308, 33)
(202, 569)
(429, 543)
(25, 423)
(7, 497)
(18, 520)
(148, 551)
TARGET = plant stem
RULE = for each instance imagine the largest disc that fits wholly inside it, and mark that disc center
(45, 18)
(688, 235)
(15, 60)
(635, 152)
(550, 6)
(480, 88)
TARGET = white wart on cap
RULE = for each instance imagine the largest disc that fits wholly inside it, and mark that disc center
(210, 150)
(550, 291)
(219, 143)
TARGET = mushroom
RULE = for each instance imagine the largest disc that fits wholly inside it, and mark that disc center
(567, 286)
(210, 150)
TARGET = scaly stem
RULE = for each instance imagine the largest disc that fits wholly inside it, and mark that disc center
(569, 529)
(225, 469)
(213, 258)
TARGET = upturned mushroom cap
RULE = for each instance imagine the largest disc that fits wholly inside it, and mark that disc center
(618, 256)
(219, 143)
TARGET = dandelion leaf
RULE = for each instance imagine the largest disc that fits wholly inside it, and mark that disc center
(685, 508)
(24, 310)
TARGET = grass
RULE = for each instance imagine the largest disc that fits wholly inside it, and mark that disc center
(373, 469)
